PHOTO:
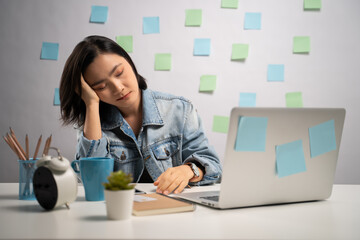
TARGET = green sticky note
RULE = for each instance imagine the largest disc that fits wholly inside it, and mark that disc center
(301, 44)
(312, 4)
(207, 83)
(163, 61)
(220, 124)
(251, 134)
(290, 159)
(294, 99)
(126, 42)
(239, 51)
(229, 3)
(193, 17)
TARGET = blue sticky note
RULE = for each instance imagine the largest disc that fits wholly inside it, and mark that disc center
(151, 25)
(290, 158)
(56, 97)
(275, 73)
(49, 51)
(247, 100)
(322, 138)
(202, 47)
(99, 14)
(252, 21)
(251, 134)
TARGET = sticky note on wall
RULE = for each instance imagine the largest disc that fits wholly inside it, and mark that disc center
(294, 99)
(151, 25)
(163, 62)
(56, 97)
(301, 44)
(247, 100)
(126, 42)
(193, 17)
(252, 21)
(312, 4)
(202, 47)
(322, 138)
(239, 51)
(229, 3)
(49, 51)
(220, 124)
(207, 83)
(251, 134)
(99, 14)
(290, 158)
(275, 73)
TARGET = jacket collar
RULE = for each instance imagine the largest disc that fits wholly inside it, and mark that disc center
(112, 118)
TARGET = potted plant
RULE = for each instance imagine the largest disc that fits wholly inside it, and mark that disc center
(119, 195)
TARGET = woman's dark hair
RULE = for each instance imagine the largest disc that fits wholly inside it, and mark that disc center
(72, 107)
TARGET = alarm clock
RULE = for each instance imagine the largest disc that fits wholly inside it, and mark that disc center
(54, 181)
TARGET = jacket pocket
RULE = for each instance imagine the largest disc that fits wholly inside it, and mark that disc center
(166, 153)
(165, 149)
(125, 157)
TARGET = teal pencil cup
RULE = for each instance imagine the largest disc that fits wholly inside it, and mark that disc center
(26, 173)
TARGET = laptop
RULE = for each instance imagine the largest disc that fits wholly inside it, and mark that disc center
(275, 156)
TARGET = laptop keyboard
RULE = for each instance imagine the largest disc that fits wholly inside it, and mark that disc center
(212, 198)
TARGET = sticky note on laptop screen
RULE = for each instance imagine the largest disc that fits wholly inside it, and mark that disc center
(322, 138)
(251, 134)
(290, 158)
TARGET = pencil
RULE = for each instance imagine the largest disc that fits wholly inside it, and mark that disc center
(11, 146)
(48, 147)
(8, 137)
(45, 146)
(13, 136)
(27, 146)
(37, 147)
(22, 157)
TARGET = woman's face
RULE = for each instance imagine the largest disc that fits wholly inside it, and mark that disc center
(114, 81)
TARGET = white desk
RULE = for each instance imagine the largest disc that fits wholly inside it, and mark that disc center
(336, 218)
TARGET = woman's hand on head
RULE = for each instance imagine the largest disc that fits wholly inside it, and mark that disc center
(88, 95)
(174, 179)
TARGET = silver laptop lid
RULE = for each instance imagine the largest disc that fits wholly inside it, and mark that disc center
(279, 155)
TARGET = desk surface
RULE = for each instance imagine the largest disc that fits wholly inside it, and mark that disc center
(336, 218)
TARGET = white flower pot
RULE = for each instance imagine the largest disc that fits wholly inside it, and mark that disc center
(119, 204)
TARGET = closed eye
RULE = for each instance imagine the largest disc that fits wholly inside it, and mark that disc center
(119, 74)
(100, 88)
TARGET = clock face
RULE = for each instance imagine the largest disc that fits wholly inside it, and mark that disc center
(45, 188)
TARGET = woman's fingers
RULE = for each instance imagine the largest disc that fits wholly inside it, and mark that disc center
(173, 179)
(88, 95)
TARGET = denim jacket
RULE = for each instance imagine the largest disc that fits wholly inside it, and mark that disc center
(171, 135)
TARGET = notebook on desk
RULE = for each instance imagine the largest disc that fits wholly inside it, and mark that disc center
(277, 155)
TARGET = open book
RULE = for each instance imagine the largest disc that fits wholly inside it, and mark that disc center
(153, 203)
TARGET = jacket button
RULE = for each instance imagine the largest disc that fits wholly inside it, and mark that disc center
(167, 152)
(123, 156)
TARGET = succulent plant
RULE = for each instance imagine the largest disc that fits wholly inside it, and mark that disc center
(119, 181)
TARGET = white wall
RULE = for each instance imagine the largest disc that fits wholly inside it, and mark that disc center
(327, 77)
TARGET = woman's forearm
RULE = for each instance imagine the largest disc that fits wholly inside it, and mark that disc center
(92, 125)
